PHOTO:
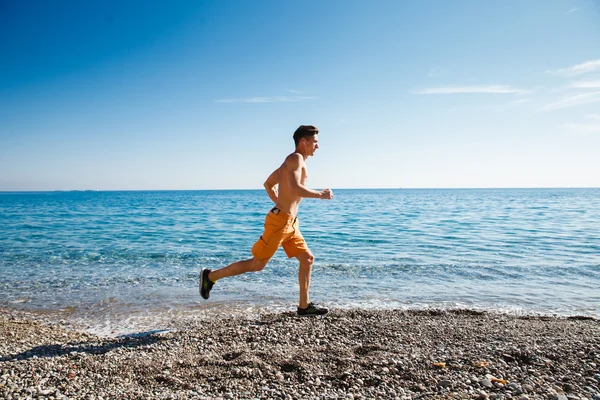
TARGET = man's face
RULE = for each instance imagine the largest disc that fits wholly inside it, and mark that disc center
(312, 144)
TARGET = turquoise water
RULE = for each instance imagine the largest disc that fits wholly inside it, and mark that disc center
(530, 250)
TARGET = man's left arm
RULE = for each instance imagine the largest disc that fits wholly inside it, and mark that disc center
(271, 185)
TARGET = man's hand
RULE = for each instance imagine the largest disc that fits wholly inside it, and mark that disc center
(327, 194)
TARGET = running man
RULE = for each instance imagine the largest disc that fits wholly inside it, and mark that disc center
(285, 186)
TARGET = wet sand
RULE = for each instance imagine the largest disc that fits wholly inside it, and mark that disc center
(348, 354)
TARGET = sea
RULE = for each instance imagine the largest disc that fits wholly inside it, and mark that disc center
(123, 261)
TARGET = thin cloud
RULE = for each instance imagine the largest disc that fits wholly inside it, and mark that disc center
(274, 99)
(489, 89)
(521, 101)
(583, 128)
(574, 100)
(588, 127)
(572, 10)
(579, 69)
(585, 85)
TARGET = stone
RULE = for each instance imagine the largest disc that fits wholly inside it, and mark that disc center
(512, 387)
(486, 383)
(445, 383)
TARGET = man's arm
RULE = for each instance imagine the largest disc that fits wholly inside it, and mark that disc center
(271, 185)
(294, 171)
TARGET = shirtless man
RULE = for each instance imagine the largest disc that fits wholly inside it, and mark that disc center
(285, 186)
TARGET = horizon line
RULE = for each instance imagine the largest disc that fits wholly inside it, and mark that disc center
(341, 188)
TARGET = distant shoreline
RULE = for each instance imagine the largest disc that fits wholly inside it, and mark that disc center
(260, 189)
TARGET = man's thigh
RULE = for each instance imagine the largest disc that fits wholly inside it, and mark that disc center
(296, 246)
(274, 234)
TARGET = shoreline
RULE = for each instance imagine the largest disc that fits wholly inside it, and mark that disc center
(383, 354)
(113, 318)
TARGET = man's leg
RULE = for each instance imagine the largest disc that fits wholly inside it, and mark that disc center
(306, 308)
(238, 268)
(208, 277)
(306, 262)
(262, 251)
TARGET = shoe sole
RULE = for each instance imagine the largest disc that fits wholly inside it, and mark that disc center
(201, 283)
(311, 315)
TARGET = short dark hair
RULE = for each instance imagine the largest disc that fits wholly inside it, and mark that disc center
(305, 131)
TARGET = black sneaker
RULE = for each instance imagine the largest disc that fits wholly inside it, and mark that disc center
(205, 284)
(311, 311)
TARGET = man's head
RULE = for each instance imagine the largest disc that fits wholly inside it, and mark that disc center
(306, 139)
(305, 131)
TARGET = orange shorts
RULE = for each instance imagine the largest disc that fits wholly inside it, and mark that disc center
(280, 230)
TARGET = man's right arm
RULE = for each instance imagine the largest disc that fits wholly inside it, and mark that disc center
(271, 185)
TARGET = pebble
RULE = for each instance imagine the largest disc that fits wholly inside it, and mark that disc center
(445, 383)
(486, 383)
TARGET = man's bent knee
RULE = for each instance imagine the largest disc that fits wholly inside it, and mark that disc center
(306, 259)
(257, 265)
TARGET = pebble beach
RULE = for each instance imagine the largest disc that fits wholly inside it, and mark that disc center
(349, 354)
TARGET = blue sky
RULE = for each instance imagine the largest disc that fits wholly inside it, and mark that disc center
(207, 94)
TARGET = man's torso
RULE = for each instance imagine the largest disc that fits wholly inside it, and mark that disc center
(288, 201)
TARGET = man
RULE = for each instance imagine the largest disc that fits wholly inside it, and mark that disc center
(285, 186)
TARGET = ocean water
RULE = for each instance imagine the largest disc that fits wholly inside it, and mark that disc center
(109, 255)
